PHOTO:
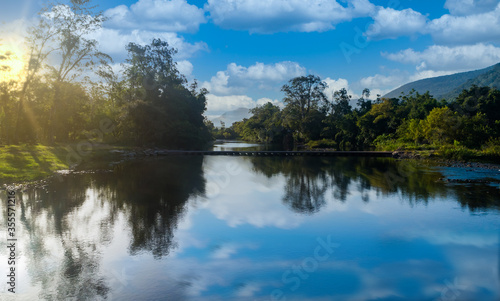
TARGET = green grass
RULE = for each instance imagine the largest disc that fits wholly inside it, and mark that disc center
(30, 162)
(488, 153)
(19, 163)
(324, 143)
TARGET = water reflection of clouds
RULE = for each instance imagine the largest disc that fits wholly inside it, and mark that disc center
(448, 237)
(237, 244)
(384, 278)
(254, 199)
(384, 281)
(249, 198)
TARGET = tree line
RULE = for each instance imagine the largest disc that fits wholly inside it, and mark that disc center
(68, 87)
(471, 120)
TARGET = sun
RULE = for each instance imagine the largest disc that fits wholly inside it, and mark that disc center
(11, 62)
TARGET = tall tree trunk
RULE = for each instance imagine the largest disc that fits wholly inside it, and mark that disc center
(53, 113)
(20, 111)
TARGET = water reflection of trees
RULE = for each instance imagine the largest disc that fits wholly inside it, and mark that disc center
(308, 180)
(63, 262)
(154, 197)
(68, 223)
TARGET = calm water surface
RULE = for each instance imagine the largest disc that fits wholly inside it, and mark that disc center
(255, 228)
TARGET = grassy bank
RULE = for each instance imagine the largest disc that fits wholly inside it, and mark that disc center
(488, 153)
(20, 163)
(33, 162)
(30, 162)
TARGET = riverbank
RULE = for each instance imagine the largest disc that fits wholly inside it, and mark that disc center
(25, 163)
(30, 162)
(488, 153)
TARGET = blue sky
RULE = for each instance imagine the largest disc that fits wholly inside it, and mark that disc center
(243, 51)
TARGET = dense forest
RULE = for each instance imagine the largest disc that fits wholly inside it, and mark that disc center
(472, 120)
(68, 90)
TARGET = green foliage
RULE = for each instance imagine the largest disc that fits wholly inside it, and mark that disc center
(381, 119)
(265, 125)
(488, 153)
(414, 121)
(411, 131)
(160, 110)
(305, 101)
(30, 162)
(323, 143)
(223, 132)
(150, 105)
(441, 126)
(457, 152)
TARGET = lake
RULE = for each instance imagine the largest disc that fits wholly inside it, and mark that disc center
(257, 228)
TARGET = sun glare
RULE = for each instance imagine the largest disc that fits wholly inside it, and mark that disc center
(11, 62)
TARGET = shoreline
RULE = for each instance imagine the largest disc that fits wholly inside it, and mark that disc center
(52, 164)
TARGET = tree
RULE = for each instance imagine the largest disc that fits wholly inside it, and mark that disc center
(303, 96)
(62, 36)
(482, 100)
(441, 126)
(266, 123)
(341, 106)
(381, 119)
(340, 124)
(416, 105)
(160, 110)
(364, 104)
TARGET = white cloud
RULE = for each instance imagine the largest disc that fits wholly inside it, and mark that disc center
(228, 103)
(219, 84)
(444, 237)
(469, 22)
(220, 104)
(157, 15)
(237, 79)
(380, 84)
(446, 58)
(113, 42)
(481, 27)
(336, 85)
(430, 73)
(391, 23)
(284, 15)
(468, 7)
(262, 72)
(382, 81)
(263, 101)
(185, 68)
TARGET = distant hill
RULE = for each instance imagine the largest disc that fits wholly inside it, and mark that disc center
(450, 86)
(232, 116)
(491, 79)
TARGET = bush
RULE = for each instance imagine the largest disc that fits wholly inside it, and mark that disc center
(457, 152)
(323, 143)
(489, 153)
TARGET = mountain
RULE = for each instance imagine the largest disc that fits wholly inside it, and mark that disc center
(450, 86)
(491, 79)
(232, 116)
